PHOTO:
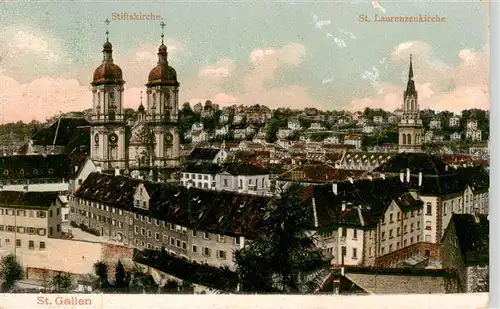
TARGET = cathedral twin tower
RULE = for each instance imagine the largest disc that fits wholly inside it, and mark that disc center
(153, 141)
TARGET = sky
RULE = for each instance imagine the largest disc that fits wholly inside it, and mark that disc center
(289, 53)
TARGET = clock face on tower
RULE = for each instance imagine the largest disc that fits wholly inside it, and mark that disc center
(96, 139)
(113, 138)
(168, 139)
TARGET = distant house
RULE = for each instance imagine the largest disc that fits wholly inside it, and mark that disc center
(207, 155)
(465, 251)
(316, 126)
(455, 136)
(392, 119)
(379, 119)
(284, 133)
(354, 139)
(238, 118)
(294, 124)
(454, 122)
(472, 125)
(368, 129)
(474, 135)
(222, 131)
(435, 124)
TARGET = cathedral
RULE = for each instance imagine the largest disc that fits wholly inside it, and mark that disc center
(411, 130)
(152, 142)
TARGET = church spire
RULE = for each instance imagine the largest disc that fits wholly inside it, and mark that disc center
(162, 50)
(410, 86)
(107, 48)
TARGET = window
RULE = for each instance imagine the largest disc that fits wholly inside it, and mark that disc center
(427, 252)
(383, 235)
(50, 213)
(195, 249)
(390, 234)
(391, 218)
(221, 254)
(418, 238)
(225, 182)
(206, 235)
(411, 240)
(206, 251)
(428, 238)
(184, 245)
(42, 232)
(31, 244)
(177, 243)
(370, 251)
(428, 225)
(236, 240)
(404, 243)
(50, 231)
(344, 251)
(150, 234)
(172, 241)
(390, 248)
(398, 231)
(193, 233)
(220, 238)
(397, 245)
(18, 242)
(143, 244)
(157, 236)
(344, 232)
(428, 209)
(31, 231)
(405, 230)
(58, 228)
(411, 227)
(355, 234)
(42, 245)
(149, 219)
(418, 225)
(354, 253)
(172, 227)
(143, 231)
(383, 250)
(136, 228)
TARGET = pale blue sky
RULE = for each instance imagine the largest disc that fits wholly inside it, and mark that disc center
(209, 31)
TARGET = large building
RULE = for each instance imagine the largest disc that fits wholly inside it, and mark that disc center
(153, 142)
(411, 130)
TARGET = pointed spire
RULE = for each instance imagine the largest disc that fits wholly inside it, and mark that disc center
(410, 73)
(141, 106)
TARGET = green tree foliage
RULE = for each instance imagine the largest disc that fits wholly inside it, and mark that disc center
(101, 271)
(121, 280)
(273, 126)
(62, 282)
(11, 271)
(283, 254)
(187, 117)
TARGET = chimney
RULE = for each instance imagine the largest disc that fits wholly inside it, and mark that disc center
(117, 171)
(420, 179)
(477, 218)
(402, 177)
(335, 188)
(76, 168)
(98, 169)
(343, 205)
(370, 177)
(382, 176)
(351, 180)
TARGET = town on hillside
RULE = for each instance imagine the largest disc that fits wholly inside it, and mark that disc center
(197, 199)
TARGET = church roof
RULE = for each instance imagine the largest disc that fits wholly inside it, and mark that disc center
(60, 132)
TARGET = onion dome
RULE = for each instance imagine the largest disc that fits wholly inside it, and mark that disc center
(162, 74)
(107, 72)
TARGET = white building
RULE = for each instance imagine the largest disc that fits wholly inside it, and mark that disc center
(471, 125)
(207, 155)
(354, 139)
(378, 119)
(222, 131)
(316, 126)
(368, 129)
(294, 124)
(474, 135)
(284, 133)
(455, 136)
(435, 124)
(454, 122)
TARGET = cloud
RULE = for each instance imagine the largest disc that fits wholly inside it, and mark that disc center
(326, 81)
(41, 98)
(440, 85)
(320, 24)
(255, 77)
(350, 34)
(340, 43)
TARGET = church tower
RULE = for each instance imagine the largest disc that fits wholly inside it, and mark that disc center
(162, 107)
(108, 145)
(410, 128)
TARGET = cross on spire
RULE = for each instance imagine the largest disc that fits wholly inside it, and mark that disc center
(410, 73)
(162, 24)
(107, 29)
(141, 97)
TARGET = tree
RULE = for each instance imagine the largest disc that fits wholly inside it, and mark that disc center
(283, 254)
(101, 271)
(120, 276)
(11, 271)
(62, 282)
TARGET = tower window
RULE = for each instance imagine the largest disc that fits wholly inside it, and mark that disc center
(404, 139)
(409, 139)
